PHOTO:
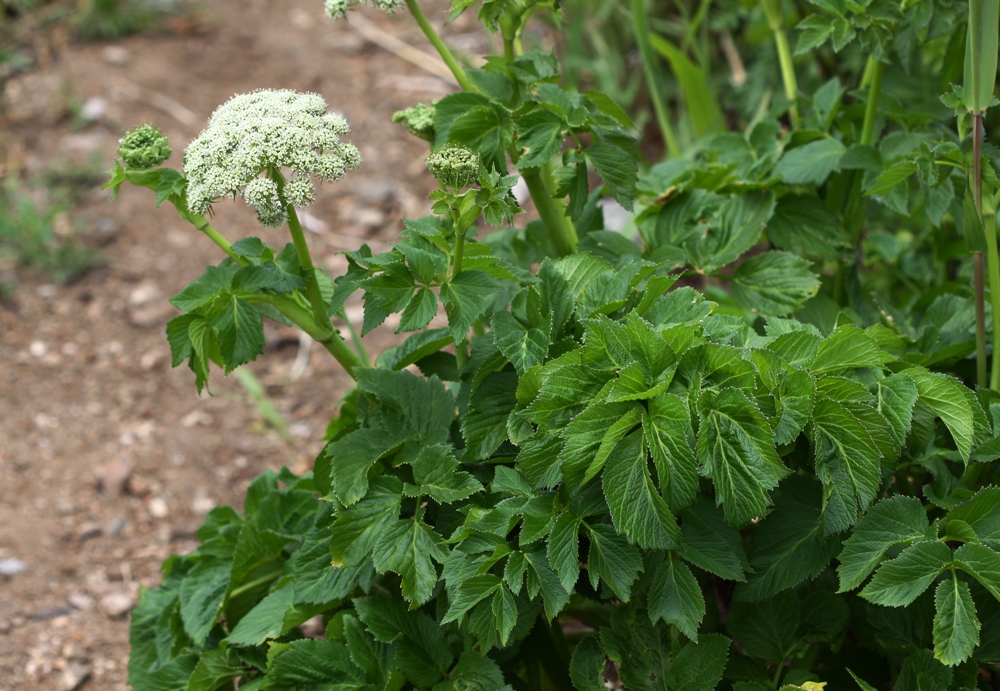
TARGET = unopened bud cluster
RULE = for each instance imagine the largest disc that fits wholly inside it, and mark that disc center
(337, 9)
(455, 167)
(263, 132)
(418, 121)
(144, 147)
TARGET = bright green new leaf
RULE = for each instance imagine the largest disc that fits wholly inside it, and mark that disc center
(524, 346)
(846, 348)
(982, 514)
(667, 426)
(774, 283)
(946, 397)
(407, 548)
(895, 521)
(810, 164)
(900, 581)
(637, 509)
(436, 474)
(982, 563)
(352, 456)
(465, 300)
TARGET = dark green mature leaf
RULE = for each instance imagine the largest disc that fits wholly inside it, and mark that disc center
(564, 394)
(407, 548)
(555, 596)
(419, 311)
(789, 546)
(212, 671)
(956, 628)
(675, 597)
(612, 560)
(982, 514)
(414, 407)
(474, 673)
(982, 563)
(618, 167)
(202, 593)
(484, 426)
(587, 665)
(436, 474)
(240, 332)
(897, 394)
(422, 653)
(313, 665)
(709, 543)
(900, 581)
(846, 348)
(774, 283)
(667, 426)
(700, 665)
(637, 508)
(946, 397)
(486, 129)
(564, 549)
(353, 455)
(271, 617)
(767, 629)
(921, 671)
(794, 398)
(847, 461)
(465, 299)
(736, 446)
(895, 521)
(540, 133)
(738, 228)
(357, 528)
(638, 647)
(802, 224)
(810, 164)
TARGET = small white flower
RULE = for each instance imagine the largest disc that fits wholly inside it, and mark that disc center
(387, 5)
(263, 132)
(336, 9)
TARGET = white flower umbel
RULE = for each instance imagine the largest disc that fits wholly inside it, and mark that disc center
(337, 9)
(263, 132)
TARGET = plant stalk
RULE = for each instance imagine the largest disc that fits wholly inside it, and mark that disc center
(641, 27)
(993, 266)
(456, 266)
(563, 234)
(982, 380)
(871, 108)
(305, 261)
(772, 9)
(202, 224)
(331, 340)
(449, 59)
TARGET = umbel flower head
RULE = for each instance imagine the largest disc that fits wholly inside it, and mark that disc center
(262, 132)
(144, 147)
(455, 167)
(418, 121)
(337, 9)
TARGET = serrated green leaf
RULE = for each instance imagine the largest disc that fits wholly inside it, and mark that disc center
(667, 426)
(618, 168)
(436, 474)
(982, 514)
(956, 628)
(946, 397)
(897, 394)
(900, 581)
(587, 665)
(202, 593)
(740, 223)
(484, 426)
(310, 665)
(802, 224)
(709, 543)
(774, 283)
(465, 299)
(357, 528)
(982, 563)
(699, 667)
(736, 446)
(471, 592)
(413, 407)
(789, 545)
(767, 629)
(422, 652)
(212, 671)
(892, 176)
(406, 548)
(895, 521)
(524, 346)
(504, 613)
(563, 549)
(240, 332)
(846, 348)
(553, 593)
(810, 164)
(353, 455)
(815, 30)
(674, 597)
(612, 560)
(540, 134)
(637, 509)
(419, 311)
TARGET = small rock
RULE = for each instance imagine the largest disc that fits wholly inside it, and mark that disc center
(88, 531)
(114, 475)
(144, 293)
(38, 348)
(106, 229)
(151, 358)
(157, 507)
(5, 626)
(80, 601)
(115, 55)
(117, 604)
(374, 192)
(94, 108)
(52, 612)
(202, 504)
(313, 628)
(47, 291)
(12, 567)
(74, 651)
(196, 417)
(114, 527)
(74, 675)
(64, 507)
(369, 218)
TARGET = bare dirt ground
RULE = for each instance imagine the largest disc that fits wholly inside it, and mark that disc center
(108, 458)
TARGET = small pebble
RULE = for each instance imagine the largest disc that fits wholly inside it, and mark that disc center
(157, 507)
(12, 567)
(117, 604)
(115, 55)
(38, 348)
(80, 601)
(94, 108)
(74, 675)
(114, 527)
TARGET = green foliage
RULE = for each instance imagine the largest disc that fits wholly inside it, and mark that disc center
(735, 449)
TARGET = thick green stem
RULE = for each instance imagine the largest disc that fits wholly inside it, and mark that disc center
(871, 108)
(456, 265)
(982, 380)
(562, 233)
(641, 27)
(993, 265)
(449, 59)
(772, 9)
(331, 340)
(202, 224)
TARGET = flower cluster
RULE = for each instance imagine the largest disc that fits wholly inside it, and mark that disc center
(263, 132)
(455, 167)
(337, 9)
(144, 147)
(418, 121)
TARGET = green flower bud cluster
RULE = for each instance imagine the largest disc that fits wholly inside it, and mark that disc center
(337, 9)
(455, 167)
(144, 147)
(262, 132)
(418, 121)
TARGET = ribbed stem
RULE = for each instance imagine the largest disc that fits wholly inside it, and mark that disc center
(641, 27)
(871, 108)
(551, 216)
(772, 9)
(449, 59)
